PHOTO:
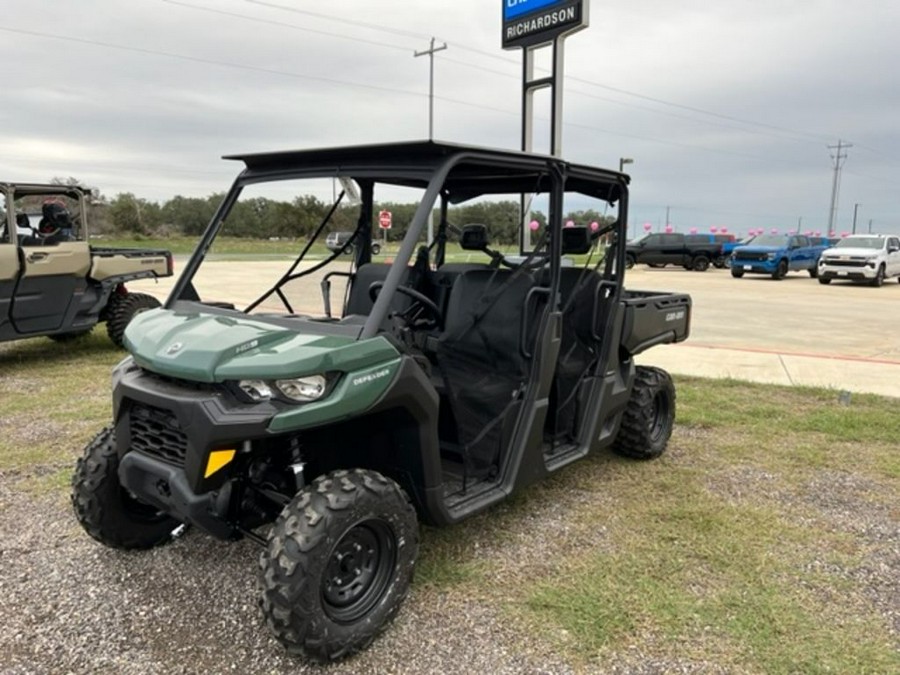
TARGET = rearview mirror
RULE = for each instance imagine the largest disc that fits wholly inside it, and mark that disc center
(576, 240)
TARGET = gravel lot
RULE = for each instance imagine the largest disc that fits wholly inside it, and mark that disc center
(69, 605)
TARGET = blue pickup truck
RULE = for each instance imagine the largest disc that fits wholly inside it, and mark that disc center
(776, 255)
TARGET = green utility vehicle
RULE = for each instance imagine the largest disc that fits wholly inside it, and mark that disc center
(52, 282)
(325, 412)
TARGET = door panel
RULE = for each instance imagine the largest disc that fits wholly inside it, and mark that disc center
(54, 277)
(9, 272)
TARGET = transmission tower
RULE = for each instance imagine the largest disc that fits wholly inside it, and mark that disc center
(838, 157)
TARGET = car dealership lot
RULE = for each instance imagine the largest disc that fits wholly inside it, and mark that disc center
(793, 331)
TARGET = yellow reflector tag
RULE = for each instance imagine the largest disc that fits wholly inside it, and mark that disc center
(217, 459)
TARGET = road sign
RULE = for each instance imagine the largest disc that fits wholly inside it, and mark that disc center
(384, 220)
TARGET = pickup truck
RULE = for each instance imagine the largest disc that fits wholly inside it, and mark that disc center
(870, 258)
(52, 282)
(691, 251)
(776, 255)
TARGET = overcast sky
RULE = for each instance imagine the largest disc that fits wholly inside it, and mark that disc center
(727, 108)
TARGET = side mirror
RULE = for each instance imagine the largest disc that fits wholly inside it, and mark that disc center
(474, 237)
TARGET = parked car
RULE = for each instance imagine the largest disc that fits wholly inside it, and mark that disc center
(776, 255)
(871, 258)
(335, 241)
(691, 251)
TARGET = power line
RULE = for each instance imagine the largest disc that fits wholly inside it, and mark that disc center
(474, 50)
(281, 24)
(213, 62)
(335, 81)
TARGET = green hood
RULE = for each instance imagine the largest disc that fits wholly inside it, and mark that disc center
(212, 348)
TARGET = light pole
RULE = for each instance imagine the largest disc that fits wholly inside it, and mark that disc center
(430, 52)
(623, 161)
(855, 209)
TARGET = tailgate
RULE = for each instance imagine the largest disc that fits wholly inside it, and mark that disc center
(654, 318)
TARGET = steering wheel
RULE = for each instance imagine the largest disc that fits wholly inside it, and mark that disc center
(419, 300)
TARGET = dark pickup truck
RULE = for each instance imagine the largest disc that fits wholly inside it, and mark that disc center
(691, 251)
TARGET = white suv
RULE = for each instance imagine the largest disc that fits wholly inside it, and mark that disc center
(861, 257)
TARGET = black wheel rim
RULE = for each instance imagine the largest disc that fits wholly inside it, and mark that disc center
(359, 571)
(659, 420)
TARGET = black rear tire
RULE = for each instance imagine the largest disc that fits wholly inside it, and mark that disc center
(105, 509)
(629, 262)
(338, 564)
(122, 309)
(376, 248)
(700, 263)
(649, 416)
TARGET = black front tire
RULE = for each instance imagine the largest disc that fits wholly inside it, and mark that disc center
(824, 280)
(122, 309)
(376, 249)
(105, 509)
(781, 270)
(737, 273)
(338, 564)
(879, 277)
(629, 262)
(649, 416)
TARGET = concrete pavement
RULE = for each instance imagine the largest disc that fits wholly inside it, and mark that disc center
(839, 373)
(790, 332)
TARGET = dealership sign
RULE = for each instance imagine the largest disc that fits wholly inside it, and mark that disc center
(531, 22)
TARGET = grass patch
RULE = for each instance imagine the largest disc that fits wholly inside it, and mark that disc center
(747, 546)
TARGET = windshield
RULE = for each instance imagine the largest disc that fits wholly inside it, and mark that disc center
(875, 243)
(283, 229)
(770, 240)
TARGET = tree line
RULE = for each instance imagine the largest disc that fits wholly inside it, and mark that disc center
(129, 215)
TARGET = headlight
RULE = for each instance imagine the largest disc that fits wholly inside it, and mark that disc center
(256, 389)
(303, 389)
(770, 256)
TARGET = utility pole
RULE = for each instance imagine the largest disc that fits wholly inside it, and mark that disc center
(838, 157)
(430, 52)
(623, 161)
(667, 215)
(855, 209)
(799, 223)
(870, 226)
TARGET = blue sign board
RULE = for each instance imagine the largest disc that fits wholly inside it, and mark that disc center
(535, 22)
(513, 9)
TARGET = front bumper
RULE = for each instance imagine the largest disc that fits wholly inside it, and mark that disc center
(754, 266)
(856, 270)
(179, 424)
